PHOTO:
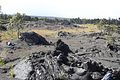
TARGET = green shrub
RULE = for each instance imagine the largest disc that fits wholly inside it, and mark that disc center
(1, 62)
(11, 72)
(110, 39)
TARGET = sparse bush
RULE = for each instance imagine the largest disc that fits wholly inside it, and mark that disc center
(110, 39)
(1, 62)
(109, 29)
(16, 21)
(11, 73)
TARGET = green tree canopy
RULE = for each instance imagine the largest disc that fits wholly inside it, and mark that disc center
(16, 22)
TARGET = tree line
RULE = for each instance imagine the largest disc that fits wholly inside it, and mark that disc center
(25, 17)
(68, 21)
(95, 21)
(65, 21)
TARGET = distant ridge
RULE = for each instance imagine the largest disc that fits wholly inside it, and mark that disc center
(49, 17)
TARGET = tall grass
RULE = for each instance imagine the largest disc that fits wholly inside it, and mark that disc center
(7, 35)
(73, 30)
(12, 34)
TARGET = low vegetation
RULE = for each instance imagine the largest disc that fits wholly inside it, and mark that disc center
(8, 35)
(11, 72)
(74, 30)
(1, 62)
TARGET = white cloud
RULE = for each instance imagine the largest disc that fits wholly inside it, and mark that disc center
(64, 8)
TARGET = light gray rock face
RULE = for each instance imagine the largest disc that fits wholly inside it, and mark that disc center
(22, 69)
(80, 71)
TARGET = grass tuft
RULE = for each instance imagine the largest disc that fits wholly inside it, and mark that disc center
(1, 62)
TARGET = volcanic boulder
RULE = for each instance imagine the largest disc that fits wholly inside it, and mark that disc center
(62, 47)
(61, 51)
(44, 66)
(3, 28)
(33, 38)
(114, 47)
(63, 34)
(22, 69)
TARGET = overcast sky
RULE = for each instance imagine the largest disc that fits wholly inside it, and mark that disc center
(64, 8)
